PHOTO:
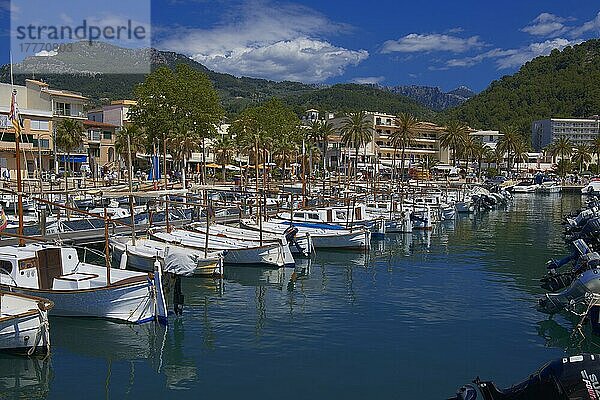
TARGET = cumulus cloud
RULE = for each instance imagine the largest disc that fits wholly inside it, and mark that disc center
(283, 42)
(546, 24)
(368, 80)
(590, 26)
(511, 58)
(417, 43)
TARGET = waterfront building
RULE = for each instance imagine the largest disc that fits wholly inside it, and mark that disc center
(380, 151)
(41, 109)
(488, 138)
(98, 149)
(579, 131)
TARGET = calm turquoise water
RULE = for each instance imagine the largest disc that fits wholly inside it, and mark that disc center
(415, 318)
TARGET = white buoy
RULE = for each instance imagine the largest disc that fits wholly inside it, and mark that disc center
(123, 262)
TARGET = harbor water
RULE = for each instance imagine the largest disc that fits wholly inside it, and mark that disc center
(416, 317)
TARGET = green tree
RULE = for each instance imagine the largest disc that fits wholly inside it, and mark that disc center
(403, 137)
(595, 148)
(224, 150)
(581, 156)
(562, 147)
(508, 144)
(177, 103)
(356, 131)
(454, 137)
(69, 137)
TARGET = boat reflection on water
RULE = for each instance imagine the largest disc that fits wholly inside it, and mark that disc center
(24, 377)
(257, 276)
(160, 345)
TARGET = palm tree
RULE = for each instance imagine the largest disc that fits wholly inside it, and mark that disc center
(453, 137)
(356, 132)
(562, 147)
(403, 137)
(521, 153)
(137, 141)
(508, 144)
(581, 156)
(479, 152)
(69, 136)
(223, 148)
(327, 131)
(595, 148)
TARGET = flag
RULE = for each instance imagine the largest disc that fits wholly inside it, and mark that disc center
(14, 116)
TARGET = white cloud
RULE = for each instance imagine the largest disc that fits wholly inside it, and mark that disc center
(280, 42)
(368, 80)
(592, 25)
(415, 43)
(546, 24)
(512, 58)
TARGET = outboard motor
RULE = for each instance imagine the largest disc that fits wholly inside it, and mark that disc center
(584, 259)
(585, 286)
(569, 378)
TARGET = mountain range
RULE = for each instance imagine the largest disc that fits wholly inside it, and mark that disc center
(79, 68)
(562, 84)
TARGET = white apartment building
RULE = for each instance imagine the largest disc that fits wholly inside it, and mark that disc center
(578, 130)
(488, 138)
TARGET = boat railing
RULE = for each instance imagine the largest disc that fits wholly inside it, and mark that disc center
(88, 252)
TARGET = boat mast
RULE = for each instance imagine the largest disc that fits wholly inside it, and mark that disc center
(129, 175)
(17, 155)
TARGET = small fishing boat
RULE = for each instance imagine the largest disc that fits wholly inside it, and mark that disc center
(80, 289)
(591, 188)
(272, 254)
(145, 252)
(298, 244)
(322, 235)
(24, 323)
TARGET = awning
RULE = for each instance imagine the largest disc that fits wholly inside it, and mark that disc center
(76, 158)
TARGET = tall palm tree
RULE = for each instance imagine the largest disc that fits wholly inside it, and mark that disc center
(356, 132)
(403, 137)
(521, 153)
(562, 147)
(224, 150)
(327, 131)
(595, 148)
(581, 156)
(479, 152)
(69, 136)
(137, 141)
(453, 137)
(508, 144)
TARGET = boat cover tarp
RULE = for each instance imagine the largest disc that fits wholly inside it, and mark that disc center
(181, 261)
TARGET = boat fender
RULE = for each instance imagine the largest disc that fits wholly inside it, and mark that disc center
(123, 261)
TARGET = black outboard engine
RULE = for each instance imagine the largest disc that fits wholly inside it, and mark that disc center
(569, 378)
(584, 259)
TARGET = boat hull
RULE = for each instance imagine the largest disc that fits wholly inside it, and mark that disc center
(131, 303)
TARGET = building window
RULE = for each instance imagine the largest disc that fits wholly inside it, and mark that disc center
(94, 135)
(39, 125)
(94, 152)
(107, 135)
(63, 109)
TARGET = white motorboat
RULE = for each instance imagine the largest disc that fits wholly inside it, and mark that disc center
(342, 216)
(396, 221)
(550, 187)
(172, 258)
(525, 187)
(298, 244)
(24, 322)
(591, 188)
(272, 254)
(322, 235)
(80, 289)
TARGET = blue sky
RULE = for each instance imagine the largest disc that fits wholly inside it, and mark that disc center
(437, 43)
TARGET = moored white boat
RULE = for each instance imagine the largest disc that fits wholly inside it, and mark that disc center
(79, 289)
(24, 323)
(238, 252)
(146, 252)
